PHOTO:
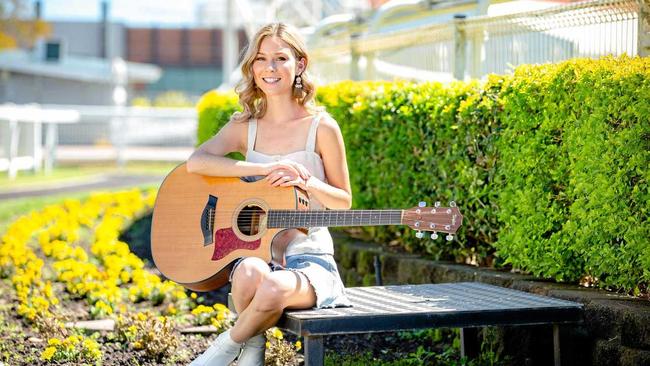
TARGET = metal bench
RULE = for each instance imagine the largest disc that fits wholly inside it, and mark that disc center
(465, 305)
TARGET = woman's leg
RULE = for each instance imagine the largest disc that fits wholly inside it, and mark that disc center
(248, 275)
(277, 291)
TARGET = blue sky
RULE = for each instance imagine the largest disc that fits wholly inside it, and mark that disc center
(142, 12)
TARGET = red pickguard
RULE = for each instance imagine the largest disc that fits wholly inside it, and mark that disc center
(225, 241)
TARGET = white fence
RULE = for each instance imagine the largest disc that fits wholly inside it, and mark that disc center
(98, 133)
(21, 136)
(419, 49)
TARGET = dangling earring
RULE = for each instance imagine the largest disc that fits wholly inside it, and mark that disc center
(298, 92)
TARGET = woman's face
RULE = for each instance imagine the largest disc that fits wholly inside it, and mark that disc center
(275, 67)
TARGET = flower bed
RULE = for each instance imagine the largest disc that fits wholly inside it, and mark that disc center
(65, 263)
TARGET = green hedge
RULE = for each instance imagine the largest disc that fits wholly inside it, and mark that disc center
(573, 171)
(549, 166)
(214, 109)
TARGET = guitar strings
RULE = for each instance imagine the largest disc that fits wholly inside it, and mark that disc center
(393, 216)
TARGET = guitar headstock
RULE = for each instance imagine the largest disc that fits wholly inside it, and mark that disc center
(435, 219)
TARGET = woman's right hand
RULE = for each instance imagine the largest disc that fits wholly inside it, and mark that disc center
(292, 167)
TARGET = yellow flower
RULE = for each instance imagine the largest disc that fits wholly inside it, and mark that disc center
(277, 333)
(125, 276)
(48, 353)
(54, 342)
(193, 295)
(298, 345)
(220, 307)
(268, 344)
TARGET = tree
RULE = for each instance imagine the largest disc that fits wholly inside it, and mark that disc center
(17, 27)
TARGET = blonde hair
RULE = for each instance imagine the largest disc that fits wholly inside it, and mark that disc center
(251, 98)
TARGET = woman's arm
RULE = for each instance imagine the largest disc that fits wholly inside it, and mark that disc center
(336, 193)
(209, 158)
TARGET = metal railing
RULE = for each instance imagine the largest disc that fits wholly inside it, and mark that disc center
(21, 136)
(474, 46)
(130, 133)
(87, 133)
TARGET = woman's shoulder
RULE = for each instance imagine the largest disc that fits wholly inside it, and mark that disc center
(236, 129)
(327, 121)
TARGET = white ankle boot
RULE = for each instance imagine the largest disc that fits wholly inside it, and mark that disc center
(253, 352)
(221, 352)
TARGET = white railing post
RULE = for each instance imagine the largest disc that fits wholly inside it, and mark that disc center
(355, 72)
(37, 136)
(229, 45)
(51, 137)
(459, 56)
(643, 40)
(118, 125)
(371, 73)
(13, 147)
(477, 44)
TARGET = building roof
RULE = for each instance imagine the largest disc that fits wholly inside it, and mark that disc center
(71, 67)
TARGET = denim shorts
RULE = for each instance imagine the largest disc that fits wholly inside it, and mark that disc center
(322, 273)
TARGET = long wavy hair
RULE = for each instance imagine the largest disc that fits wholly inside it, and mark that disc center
(252, 98)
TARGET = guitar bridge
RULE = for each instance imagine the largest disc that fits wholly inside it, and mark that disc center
(207, 220)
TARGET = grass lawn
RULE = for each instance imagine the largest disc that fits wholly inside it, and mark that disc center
(11, 209)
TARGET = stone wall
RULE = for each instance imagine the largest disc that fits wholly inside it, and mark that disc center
(615, 331)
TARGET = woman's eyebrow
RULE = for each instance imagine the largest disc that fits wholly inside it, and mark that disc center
(277, 53)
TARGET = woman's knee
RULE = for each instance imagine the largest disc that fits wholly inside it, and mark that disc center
(271, 294)
(250, 270)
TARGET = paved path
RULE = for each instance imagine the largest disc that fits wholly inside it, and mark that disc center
(108, 181)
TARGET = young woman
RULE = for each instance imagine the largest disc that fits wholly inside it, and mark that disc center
(288, 142)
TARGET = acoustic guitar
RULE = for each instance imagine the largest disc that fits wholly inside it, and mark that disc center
(202, 224)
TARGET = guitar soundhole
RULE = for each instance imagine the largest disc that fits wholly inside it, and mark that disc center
(249, 220)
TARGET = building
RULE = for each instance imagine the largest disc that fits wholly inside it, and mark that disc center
(47, 75)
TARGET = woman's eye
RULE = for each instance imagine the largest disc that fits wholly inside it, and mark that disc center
(282, 58)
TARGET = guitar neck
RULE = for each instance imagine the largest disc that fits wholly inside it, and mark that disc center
(330, 218)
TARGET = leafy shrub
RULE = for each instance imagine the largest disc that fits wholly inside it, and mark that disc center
(574, 155)
(75, 349)
(280, 352)
(217, 315)
(549, 165)
(214, 110)
(144, 331)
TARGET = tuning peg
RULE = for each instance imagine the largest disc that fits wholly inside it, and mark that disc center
(419, 234)
(437, 204)
(449, 237)
(422, 204)
(434, 235)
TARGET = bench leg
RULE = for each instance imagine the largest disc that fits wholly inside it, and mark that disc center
(556, 344)
(314, 351)
(469, 346)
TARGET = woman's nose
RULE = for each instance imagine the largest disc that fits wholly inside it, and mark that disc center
(270, 65)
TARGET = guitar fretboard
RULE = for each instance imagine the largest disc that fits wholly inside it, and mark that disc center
(329, 218)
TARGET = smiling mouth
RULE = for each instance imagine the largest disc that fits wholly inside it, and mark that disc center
(271, 80)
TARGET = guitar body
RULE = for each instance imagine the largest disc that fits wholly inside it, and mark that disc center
(201, 225)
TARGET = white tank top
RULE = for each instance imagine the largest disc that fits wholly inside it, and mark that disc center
(318, 239)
